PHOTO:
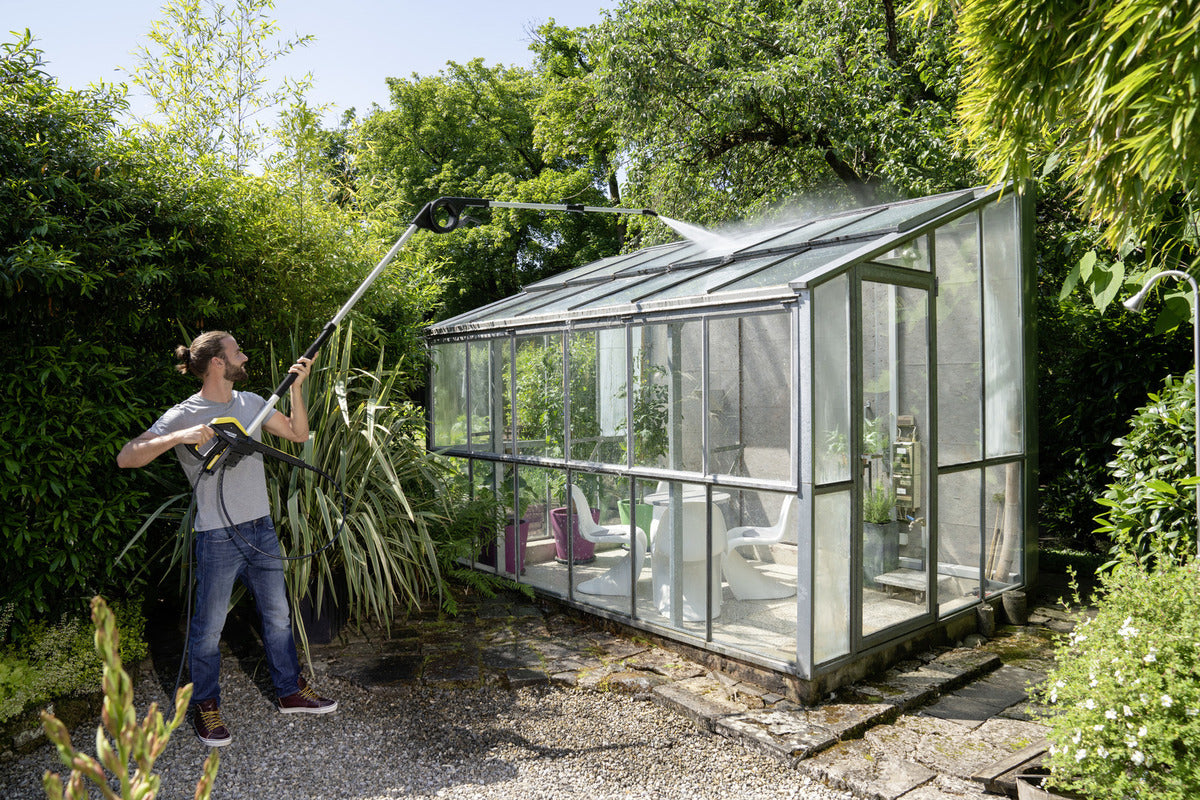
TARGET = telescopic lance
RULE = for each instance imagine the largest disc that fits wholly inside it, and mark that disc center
(439, 216)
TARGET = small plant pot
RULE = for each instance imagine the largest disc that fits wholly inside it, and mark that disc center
(515, 540)
(560, 520)
(881, 549)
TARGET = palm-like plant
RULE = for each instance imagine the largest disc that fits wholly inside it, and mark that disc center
(362, 436)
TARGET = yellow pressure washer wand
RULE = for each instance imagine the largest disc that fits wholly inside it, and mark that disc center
(439, 216)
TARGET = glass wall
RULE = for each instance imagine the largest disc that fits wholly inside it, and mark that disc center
(959, 342)
(758, 611)
(893, 455)
(1004, 349)
(749, 422)
(831, 380)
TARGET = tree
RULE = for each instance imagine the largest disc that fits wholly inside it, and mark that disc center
(724, 109)
(470, 132)
(1108, 93)
(205, 72)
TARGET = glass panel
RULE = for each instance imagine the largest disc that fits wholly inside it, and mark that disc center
(449, 394)
(890, 218)
(831, 380)
(584, 295)
(960, 342)
(1004, 538)
(539, 395)
(712, 277)
(486, 379)
(682, 251)
(529, 547)
(960, 525)
(807, 232)
(644, 287)
(758, 608)
(831, 571)
(683, 560)
(608, 560)
(1004, 355)
(483, 478)
(895, 376)
(910, 255)
(750, 391)
(596, 369)
(793, 268)
(666, 406)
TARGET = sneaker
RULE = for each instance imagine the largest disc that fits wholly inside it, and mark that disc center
(306, 701)
(210, 728)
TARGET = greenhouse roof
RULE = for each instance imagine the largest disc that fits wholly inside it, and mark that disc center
(774, 261)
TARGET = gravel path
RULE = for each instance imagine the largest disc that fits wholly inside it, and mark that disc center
(413, 741)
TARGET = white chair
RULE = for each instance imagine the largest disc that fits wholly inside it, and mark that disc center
(693, 575)
(617, 579)
(746, 582)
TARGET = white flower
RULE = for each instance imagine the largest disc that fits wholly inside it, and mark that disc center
(1080, 755)
(1090, 704)
(1097, 728)
(1137, 757)
(1128, 711)
(1166, 701)
(1102, 751)
(1094, 683)
(1078, 735)
(1150, 657)
(1131, 742)
(1191, 712)
(1110, 714)
(1142, 731)
(1127, 628)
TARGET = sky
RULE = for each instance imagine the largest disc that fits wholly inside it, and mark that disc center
(358, 43)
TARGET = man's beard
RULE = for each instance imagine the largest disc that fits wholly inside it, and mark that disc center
(233, 374)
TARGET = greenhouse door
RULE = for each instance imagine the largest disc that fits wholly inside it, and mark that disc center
(892, 580)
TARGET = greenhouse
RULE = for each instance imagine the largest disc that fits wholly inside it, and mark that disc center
(803, 448)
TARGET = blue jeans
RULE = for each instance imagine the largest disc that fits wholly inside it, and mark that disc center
(222, 556)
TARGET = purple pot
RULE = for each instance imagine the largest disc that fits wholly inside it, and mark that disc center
(584, 551)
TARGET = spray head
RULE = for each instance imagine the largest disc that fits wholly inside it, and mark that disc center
(430, 217)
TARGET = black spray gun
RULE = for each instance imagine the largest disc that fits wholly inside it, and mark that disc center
(443, 215)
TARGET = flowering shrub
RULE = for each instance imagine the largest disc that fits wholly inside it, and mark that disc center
(1124, 697)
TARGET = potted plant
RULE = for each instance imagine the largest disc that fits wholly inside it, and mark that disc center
(881, 531)
(516, 528)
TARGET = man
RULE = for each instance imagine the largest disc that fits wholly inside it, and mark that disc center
(235, 537)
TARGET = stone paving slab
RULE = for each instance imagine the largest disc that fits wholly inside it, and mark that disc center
(855, 767)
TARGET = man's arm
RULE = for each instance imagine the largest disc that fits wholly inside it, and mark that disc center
(294, 428)
(140, 451)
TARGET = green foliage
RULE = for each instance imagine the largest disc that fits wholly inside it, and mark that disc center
(362, 433)
(469, 132)
(1124, 694)
(1151, 502)
(726, 109)
(205, 70)
(1105, 92)
(53, 661)
(879, 503)
(127, 741)
(1116, 355)
(110, 253)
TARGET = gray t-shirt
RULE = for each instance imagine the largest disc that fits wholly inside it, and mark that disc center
(244, 485)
